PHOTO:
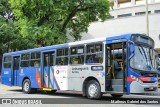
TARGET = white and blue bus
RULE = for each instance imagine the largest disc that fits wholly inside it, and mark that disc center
(117, 65)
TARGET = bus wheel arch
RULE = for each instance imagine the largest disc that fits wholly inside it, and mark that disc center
(85, 83)
(24, 79)
(26, 86)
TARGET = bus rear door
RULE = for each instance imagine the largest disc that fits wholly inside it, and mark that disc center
(48, 70)
(15, 69)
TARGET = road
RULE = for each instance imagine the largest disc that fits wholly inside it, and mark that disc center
(72, 97)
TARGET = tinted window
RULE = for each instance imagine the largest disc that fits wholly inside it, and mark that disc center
(25, 60)
(16, 63)
(62, 56)
(77, 55)
(7, 61)
(94, 53)
(35, 59)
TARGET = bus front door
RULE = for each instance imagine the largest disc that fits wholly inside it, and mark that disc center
(116, 67)
(48, 71)
(16, 60)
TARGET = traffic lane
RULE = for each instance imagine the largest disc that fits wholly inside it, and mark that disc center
(5, 90)
(74, 98)
(17, 93)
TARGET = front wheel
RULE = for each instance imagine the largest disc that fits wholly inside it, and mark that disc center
(26, 87)
(93, 90)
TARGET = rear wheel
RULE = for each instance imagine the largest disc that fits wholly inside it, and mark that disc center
(93, 90)
(116, 95)
(26, 87)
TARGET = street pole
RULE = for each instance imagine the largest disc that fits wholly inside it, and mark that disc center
(147, 21)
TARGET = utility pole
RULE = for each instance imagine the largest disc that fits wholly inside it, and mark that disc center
(147, 20)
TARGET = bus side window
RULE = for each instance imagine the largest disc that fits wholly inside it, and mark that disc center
(94, 53)
(46, 61)
(77, 55)
(35, 59)
(25, 60)
(16, 63)
(7, 61)
(62, 56)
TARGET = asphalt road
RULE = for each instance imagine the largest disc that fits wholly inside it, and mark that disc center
(72, 97)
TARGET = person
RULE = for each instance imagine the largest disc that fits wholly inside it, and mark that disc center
(36, 64)
(90, 59)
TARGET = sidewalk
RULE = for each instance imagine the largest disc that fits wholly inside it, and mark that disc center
(8, 89)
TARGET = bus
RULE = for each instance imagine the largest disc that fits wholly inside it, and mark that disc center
(117, 65)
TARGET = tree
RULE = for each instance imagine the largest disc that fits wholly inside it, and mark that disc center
(47, 21)
(10, 39)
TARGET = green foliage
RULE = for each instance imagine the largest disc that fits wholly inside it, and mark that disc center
(34, 23)
(47, 21)
(10, 40)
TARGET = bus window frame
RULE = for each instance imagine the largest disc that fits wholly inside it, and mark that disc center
(3, 61)
(100, 52)
(25, 60)
(39, 59)
(63, 56)
(70, 55)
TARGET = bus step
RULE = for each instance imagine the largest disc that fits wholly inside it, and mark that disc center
(117, 81)
(47, 89)
(117, 88)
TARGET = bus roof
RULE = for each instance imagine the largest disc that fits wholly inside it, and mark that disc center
(123, 36)
(127, 36)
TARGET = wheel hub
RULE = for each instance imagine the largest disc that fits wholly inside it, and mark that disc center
(26, 86)
(92, 90)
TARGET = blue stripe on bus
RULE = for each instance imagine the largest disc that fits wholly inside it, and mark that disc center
(45, 70)
(55, 81)
(51, 83)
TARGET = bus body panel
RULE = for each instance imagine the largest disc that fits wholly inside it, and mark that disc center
(15, 77)
(133, 82)
(7, 77)
(61, 78)
(34, 74)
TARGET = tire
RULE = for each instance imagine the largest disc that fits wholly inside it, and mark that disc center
(93, 90)
(116, 95)
(26, 87)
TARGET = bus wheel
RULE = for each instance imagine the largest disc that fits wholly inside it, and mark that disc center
(93, 90)
(116, 95)
(26, 87)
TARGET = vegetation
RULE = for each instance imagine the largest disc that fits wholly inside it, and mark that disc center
(26, 24)
(35, 23)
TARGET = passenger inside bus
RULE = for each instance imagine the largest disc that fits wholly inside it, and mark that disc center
(92, 59)
(36, 64)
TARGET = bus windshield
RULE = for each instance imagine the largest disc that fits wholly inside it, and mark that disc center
(144, 59)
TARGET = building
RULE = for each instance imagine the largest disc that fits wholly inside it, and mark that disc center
(128, 16)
